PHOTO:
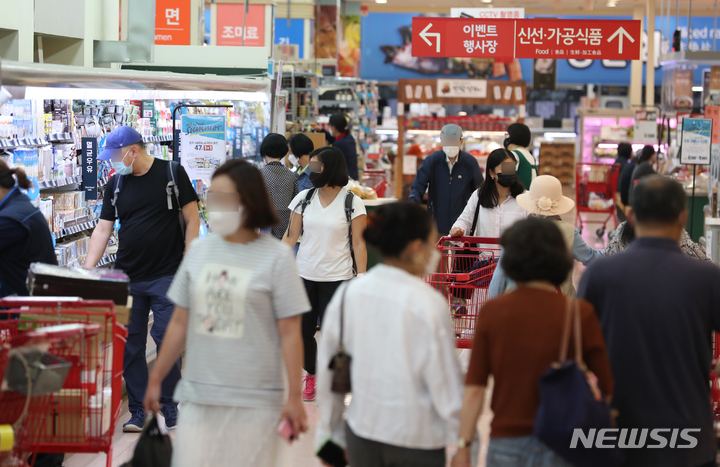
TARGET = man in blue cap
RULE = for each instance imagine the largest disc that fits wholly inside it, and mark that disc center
(152, 199)
(452, 175)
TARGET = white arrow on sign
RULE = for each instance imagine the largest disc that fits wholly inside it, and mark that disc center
(424, 34)
(619, 34)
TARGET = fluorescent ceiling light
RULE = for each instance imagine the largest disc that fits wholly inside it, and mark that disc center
(380, 1)
(560, 135)
(486, 1)
(462, 114)
(697, 88)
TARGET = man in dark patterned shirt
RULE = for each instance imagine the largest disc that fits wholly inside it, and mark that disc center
(281, 182)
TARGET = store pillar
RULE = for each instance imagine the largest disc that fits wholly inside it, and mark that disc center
(650, 69)
(636, 67)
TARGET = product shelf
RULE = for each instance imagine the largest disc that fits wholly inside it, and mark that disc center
(59, 183)
(75, 229)
(22, 143)
(157, 139)
(60, 138)
(109, 259)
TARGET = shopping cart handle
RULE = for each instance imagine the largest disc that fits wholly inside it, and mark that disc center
(469, 240)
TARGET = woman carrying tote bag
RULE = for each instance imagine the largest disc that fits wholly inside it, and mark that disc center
(517, 338)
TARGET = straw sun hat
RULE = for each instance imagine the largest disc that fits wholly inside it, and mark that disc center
(545, 198)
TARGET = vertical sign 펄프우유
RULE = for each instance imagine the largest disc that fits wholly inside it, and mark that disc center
(202, 145)
(230, 25)
(89, 162)
(172, 22)
(696, 140)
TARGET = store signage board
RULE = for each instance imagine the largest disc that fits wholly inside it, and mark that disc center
(696, 141)
(506, 39)
(202, 145)
(230, 25)
(645, 127)
(493, 13)
(461, 91)
(172, 22)
(470, 88)
(89, 163)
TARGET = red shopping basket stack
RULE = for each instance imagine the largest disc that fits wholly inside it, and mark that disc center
(463, 277)
(595, 188)
(72, 401)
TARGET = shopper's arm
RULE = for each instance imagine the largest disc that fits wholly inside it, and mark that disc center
(498, 283)
(293, 232)
(463, 224)
(172, 348)
(618, 201)
(292, 348)
(192, 223)
(473, 401)
(98, 242)
(358, 227)
(420, 184)
(582, 251)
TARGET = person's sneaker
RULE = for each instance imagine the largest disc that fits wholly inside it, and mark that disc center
(309, 391)
(136, 423)
(170, 412)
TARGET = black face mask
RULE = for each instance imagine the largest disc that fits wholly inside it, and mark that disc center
(507, 180)
(506, 142)
(314, 176)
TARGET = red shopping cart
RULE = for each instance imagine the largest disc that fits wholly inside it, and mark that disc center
(595, 188)
(463, 277)
(379, 180)
(70, 399)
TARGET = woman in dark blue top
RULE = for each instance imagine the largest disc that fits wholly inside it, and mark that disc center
(340, 137)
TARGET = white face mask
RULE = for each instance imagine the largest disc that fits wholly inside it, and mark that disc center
(225, 223)
(451, 151)
(293, 159)
(433, 261)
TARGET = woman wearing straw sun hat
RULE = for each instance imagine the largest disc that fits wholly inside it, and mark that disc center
(545, 199)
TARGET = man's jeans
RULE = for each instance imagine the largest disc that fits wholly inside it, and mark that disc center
(150, 295)
(525, 451)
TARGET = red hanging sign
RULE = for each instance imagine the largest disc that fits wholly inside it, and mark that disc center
(526, 38)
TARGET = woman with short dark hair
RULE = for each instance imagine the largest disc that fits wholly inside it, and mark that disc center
(329, 255)
(517, 338)
(406, 379)
(339, 136)
(238, 306)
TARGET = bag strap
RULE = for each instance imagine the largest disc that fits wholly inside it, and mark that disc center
(572, 318)
(349, 199)
(173, 189)
(116, 192)
(341, 346)
(475, 218)
(303, 204)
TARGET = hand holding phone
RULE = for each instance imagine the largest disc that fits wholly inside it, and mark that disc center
(285, 429)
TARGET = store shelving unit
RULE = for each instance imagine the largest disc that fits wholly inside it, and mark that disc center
(302, 89)
(60, 183)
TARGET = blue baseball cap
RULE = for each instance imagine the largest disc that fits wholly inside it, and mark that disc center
(119, 138)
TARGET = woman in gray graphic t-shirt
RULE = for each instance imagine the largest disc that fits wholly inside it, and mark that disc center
(239, 301)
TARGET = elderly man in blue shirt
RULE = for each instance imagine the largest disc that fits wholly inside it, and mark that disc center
(450, 176)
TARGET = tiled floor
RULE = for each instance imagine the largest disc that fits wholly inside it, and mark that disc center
(303, 450)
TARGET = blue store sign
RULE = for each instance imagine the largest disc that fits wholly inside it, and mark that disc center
(293, 34)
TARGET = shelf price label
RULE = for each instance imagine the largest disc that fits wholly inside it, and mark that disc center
(89, 162)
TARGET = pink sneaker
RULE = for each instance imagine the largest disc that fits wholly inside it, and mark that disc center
(309, 391)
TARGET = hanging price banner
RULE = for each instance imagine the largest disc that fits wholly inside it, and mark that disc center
(202, 145)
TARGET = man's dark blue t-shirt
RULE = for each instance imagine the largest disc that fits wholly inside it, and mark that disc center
(657, 309)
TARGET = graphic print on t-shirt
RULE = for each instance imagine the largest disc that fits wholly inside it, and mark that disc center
(219, 298)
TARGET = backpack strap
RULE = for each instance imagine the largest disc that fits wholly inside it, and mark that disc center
(349, 198)
(173, 189)
(303, 205)
(116, 192)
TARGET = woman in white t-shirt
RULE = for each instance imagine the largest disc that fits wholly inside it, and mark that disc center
(325, 258)
(238, 305)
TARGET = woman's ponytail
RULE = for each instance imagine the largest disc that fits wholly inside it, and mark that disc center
(8, 181)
